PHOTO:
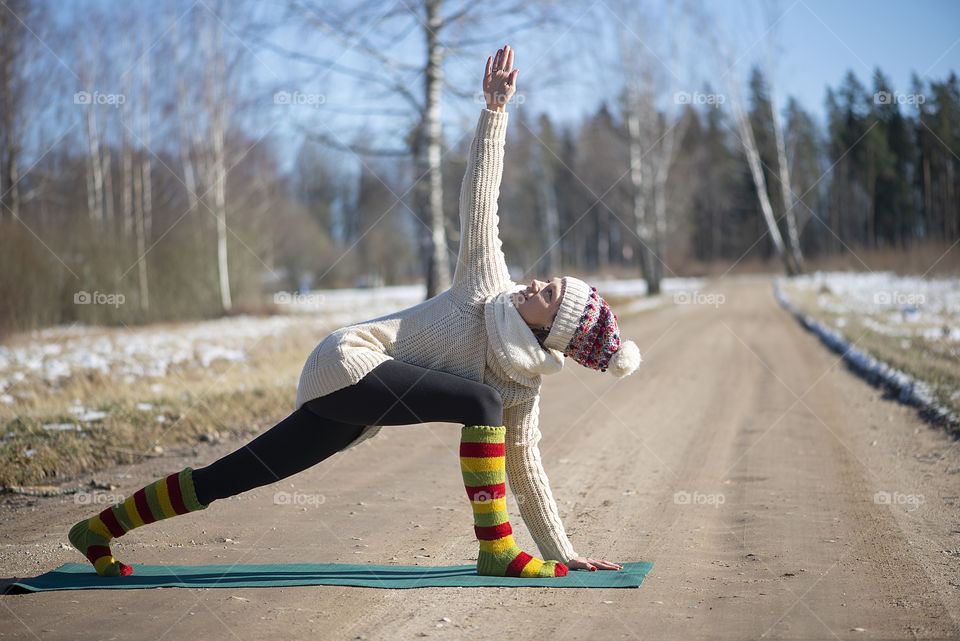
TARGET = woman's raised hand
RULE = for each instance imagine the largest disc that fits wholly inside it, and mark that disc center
(499, 79)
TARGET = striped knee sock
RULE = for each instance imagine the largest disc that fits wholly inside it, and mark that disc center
(482, 456)
(161, 499)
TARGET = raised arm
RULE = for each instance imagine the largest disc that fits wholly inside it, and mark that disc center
(481, 267)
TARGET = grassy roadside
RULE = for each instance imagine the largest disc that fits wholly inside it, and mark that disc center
(88, 421)
(927, 356)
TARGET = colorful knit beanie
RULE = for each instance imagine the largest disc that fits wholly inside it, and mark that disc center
(586, 330)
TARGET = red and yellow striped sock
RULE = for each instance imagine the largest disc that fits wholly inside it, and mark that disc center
(161, 499)
(482, 462)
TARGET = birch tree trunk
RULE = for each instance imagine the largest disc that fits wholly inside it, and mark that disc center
(126, 194)
(551, 216)
(95, 200)
(747, 141)
(140, 236)
(438, 278)
(646, 125)
(661, 175)
(126, 163)
(750, 150)
(641, 224)
(217, 109)
(146, 160)
(108, 212)
(789, 202)
(185, 123)
(94, 166)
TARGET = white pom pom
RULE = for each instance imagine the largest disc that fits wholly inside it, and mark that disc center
(625, 360)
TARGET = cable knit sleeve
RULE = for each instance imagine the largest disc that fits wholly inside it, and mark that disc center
(529, 482)
(481, 267)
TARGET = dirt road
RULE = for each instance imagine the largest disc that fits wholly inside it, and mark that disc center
(743, 459)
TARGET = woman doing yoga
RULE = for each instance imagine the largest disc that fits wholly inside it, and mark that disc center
(473, 355)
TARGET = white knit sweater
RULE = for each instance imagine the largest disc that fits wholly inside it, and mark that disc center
(471, 330)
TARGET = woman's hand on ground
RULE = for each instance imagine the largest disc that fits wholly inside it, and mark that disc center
(588, 563)
(499, 79)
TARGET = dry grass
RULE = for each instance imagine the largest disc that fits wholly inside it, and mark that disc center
(190, 403)
(935, 362)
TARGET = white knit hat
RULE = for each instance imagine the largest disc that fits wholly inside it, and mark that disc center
(586, 329)
(575, 295)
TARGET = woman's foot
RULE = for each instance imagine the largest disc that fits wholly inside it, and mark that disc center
(161, 499)
(510, 560)
(87, 536)
(482, 457)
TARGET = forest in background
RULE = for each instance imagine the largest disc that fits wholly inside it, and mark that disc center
(140, 182)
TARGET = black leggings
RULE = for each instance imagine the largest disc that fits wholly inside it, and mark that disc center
(393, 393)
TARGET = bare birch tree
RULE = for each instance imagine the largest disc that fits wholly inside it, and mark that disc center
(218, 103)
(126, 155)
(752, 153)
(372, 29)
(650, 135)
(187, 138)
(723, 52)
(783, 165)
(87, 100)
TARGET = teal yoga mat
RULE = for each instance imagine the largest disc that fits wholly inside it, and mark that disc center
(80, 576)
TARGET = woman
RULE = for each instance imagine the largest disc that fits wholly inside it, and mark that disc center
(474, 354)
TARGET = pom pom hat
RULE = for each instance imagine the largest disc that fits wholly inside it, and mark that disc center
(586, 330)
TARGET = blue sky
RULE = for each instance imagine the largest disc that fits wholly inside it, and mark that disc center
(817, 42)
(823, 39)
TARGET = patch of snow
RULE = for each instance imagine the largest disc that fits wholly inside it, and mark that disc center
(907, 389)
(901, 306)
(63, 427)
(211, 353)
(51, 355)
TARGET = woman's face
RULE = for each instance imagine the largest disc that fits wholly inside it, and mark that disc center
(539, 302)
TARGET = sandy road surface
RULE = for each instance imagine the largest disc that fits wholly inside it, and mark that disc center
(776, 450)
